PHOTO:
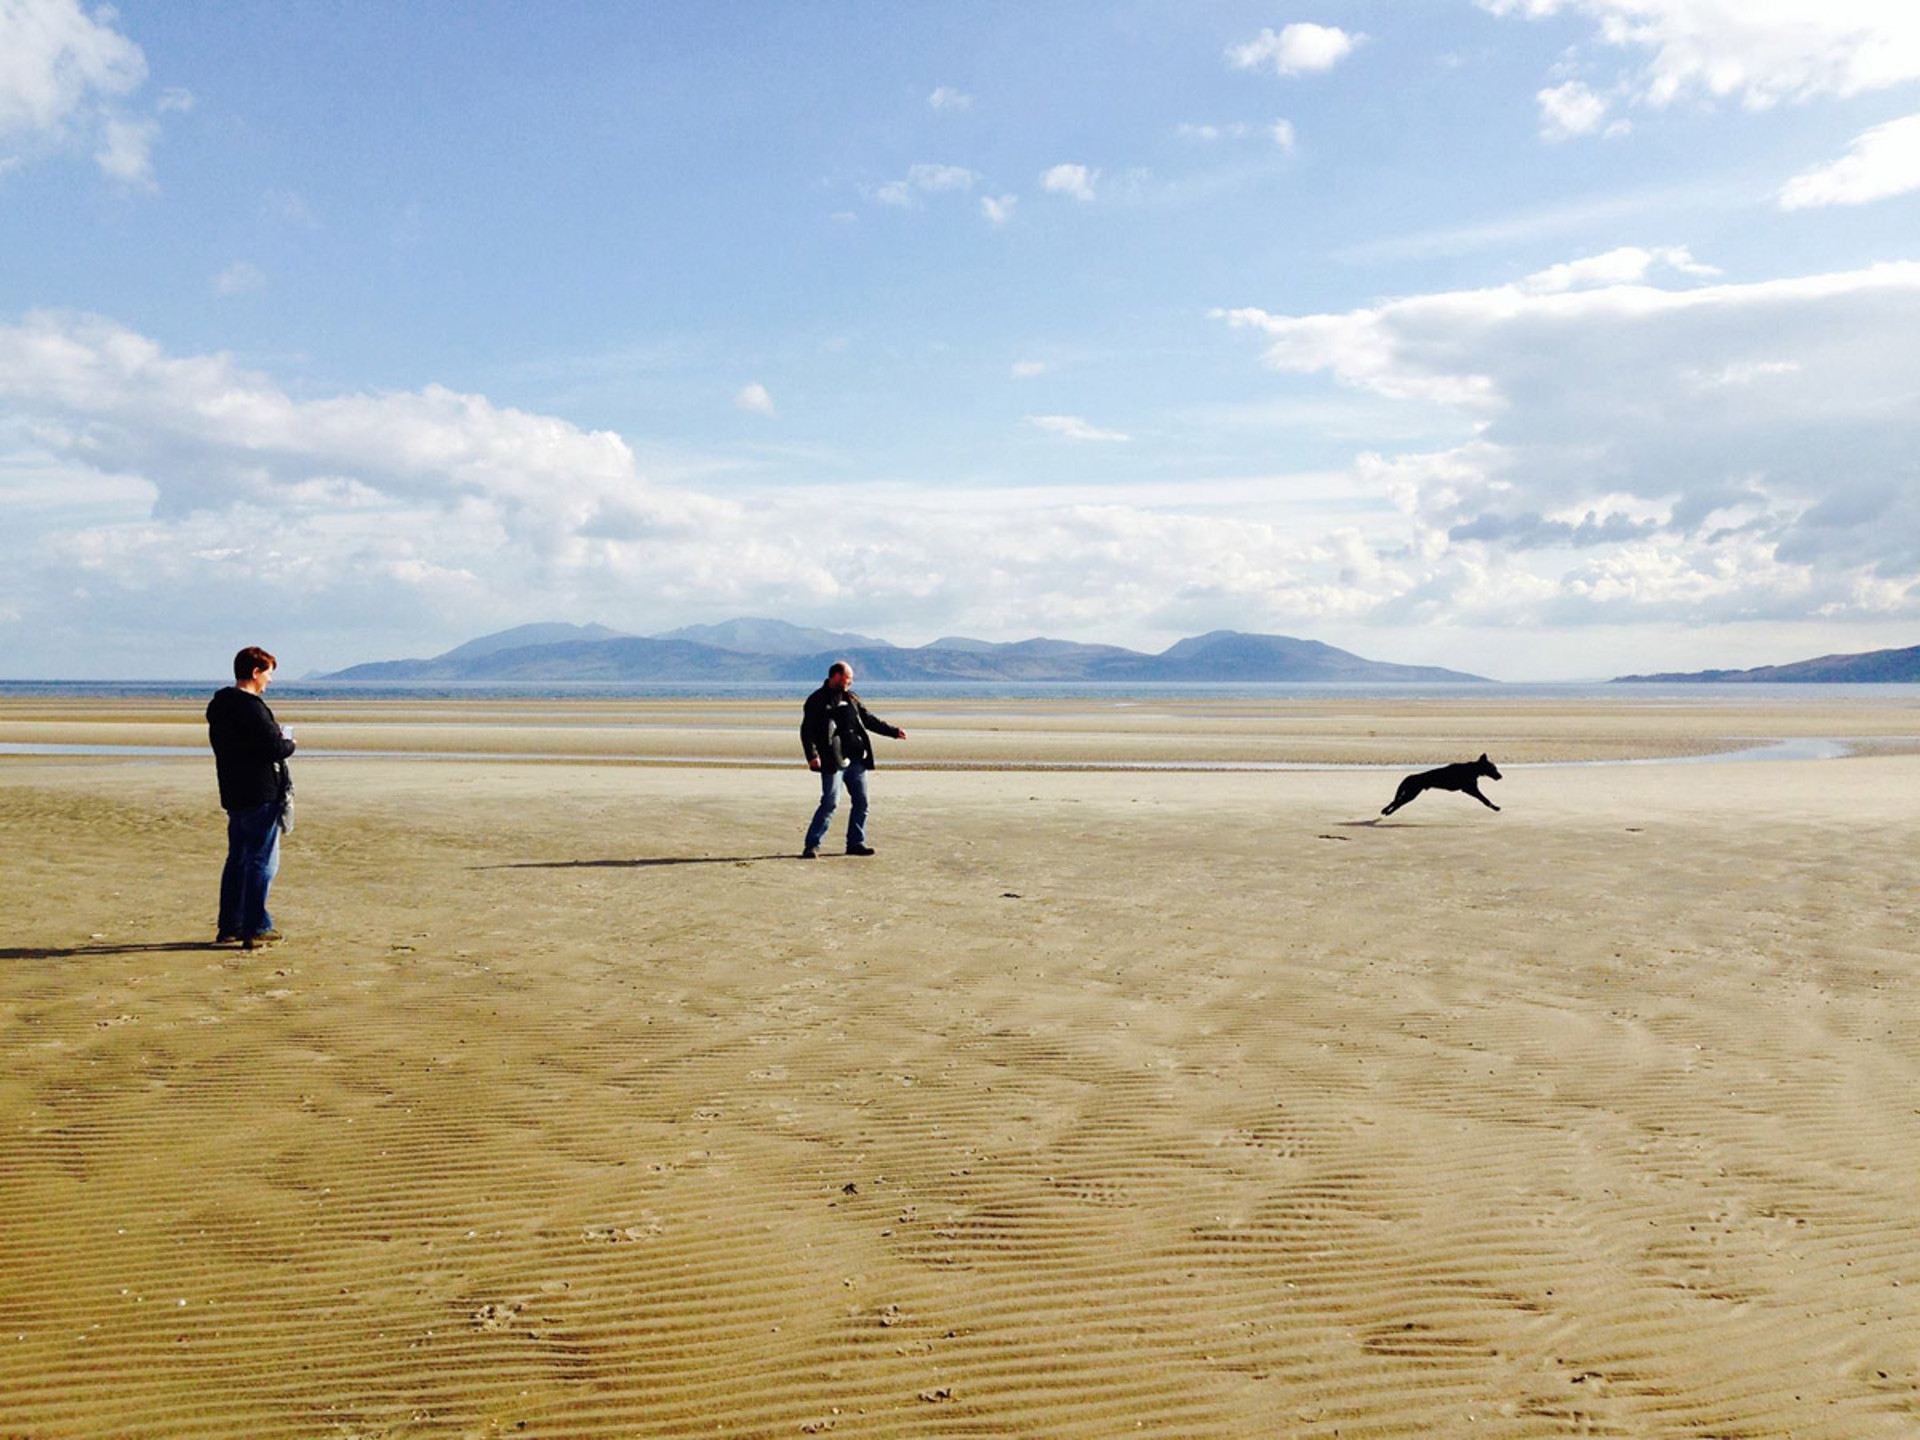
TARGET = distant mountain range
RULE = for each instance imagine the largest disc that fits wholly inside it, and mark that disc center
(1877, 667)
(747, 649)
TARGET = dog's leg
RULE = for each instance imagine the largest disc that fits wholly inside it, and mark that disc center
(1474, 791)
(1401, 796)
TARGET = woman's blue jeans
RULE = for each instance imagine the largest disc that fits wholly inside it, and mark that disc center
(856, 778)
(253, 859)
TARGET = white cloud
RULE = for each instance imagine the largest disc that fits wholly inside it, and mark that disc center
(1029, 369)
(126, 150)
(1207, 134)
(1280, 132)
(1072, 427)
(1663, 454)
(940, 177)
(945, 97)
(240, 278)
(1401, 349)
(182, 486)
(754, 399)
(1759, 51)
(1710, 452)
(376, 509)
(1629, 265)
(1075, 181)
(210, 435)
(1298, 49)
(1572, 109)
(57, 63)
(998, 208)
(927, 180)
(1883, 162)
(63, 77)
(1364, 349)
(1745, 372)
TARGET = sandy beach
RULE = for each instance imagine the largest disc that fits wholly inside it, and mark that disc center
(1102, 1101)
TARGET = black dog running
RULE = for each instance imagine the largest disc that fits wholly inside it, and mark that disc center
(1464, 777)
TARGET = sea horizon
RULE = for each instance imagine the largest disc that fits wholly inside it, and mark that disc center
(1119, 691)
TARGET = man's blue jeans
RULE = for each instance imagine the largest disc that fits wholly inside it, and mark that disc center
(253, 859)
(856, 778)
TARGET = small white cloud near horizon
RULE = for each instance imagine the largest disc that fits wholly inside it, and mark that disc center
(754, 399)
(1881, 163)
(998, 208)
(945, 97)
(240, 278)
(1283, 136)
(1074, 181)
(1073, 427)
(1298, 49)
(1028, 369)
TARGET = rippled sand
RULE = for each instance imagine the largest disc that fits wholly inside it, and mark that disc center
(1178, 1104)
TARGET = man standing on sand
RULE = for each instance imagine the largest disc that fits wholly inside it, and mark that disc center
(250, 752)
(836, 732)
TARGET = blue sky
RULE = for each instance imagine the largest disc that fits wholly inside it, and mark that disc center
(1540, 338)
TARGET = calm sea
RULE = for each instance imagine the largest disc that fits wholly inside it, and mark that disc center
(1110, 694)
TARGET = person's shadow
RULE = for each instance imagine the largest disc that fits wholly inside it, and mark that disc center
(76, 952)
(646, 863)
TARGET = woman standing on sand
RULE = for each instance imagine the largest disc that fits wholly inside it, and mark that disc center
(250, 751)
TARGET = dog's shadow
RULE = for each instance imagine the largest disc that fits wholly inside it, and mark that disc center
(643, 863)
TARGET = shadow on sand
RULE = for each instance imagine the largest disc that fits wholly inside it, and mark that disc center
(643, 864)
(74, 952)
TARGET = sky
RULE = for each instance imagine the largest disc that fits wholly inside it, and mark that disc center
(1541, 339)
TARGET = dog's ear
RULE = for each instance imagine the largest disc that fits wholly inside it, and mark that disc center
(1483, 757)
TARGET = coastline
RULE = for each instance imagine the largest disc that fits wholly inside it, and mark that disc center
(1381, 729)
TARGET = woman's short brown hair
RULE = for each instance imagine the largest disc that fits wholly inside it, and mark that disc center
(251, 659)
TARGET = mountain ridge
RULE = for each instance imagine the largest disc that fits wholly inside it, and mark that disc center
(596, 653)
(1867, 667)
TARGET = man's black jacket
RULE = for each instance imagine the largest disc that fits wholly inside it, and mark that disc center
(248, 748)
(833, 730)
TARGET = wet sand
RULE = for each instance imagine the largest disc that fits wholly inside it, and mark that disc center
(1178, 1104)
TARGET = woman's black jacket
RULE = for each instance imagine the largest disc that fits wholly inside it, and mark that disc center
(248, 748)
